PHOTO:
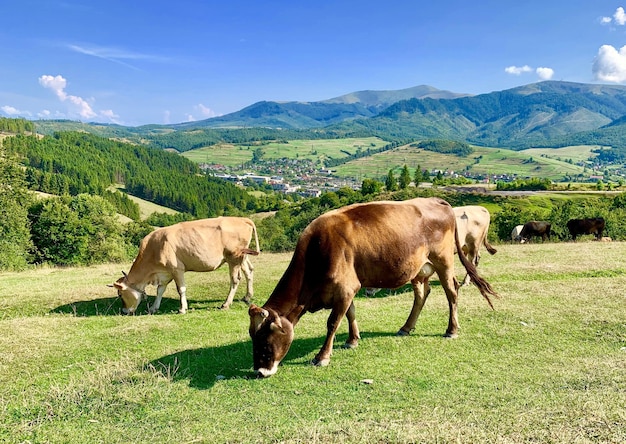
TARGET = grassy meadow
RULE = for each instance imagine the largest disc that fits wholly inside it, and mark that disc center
(536, 162)
(544, 163)
(233, 154)
(547, 365)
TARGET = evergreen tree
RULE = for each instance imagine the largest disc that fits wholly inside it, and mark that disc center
(370, 186)
(418, 176)
(405, 178)
(15, 239)
(390, 182)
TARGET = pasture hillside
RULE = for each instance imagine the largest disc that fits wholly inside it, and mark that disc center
(311, 149)
(553, 164)
(547, 365)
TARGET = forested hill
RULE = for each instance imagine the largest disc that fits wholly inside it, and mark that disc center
(73, 163)
(544, 114)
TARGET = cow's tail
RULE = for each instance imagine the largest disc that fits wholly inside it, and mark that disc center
(488, 246)
(483, 286)
(256, 242)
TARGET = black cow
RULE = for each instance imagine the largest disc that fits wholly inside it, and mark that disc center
(535, 228)
(591, 225)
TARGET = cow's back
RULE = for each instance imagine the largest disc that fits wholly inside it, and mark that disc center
(198, 245)
(472, 222)
(379, 244)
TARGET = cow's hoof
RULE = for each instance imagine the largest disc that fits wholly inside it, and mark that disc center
(403, 333)
(350, 345)
(451, 335)
(320, 362)
(225, 307)
(182, 312)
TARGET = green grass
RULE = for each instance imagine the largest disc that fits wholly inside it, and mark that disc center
(545, 163)
(231, 155)
(548, 365)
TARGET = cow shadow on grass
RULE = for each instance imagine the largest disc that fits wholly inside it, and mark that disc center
(385, 292)
(204, 367)
(113, 306)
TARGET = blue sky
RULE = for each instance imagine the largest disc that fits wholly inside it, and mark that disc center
(136, 62)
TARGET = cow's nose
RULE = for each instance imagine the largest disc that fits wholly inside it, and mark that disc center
(266, 373)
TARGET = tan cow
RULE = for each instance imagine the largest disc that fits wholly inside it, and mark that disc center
(378, 244)
(199, 245)
(472, 222)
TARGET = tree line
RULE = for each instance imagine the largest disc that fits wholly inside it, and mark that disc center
(74, 163)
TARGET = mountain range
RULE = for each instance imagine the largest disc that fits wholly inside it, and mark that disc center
(544, 114)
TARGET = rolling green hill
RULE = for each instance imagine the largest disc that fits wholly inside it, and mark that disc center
(543, 163)
(545, 114)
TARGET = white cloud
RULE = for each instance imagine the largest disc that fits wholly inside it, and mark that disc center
(619, 16)
(109, 114)
(206, 112)
(610, 64)
(115, 55)
(58, 84)
(9, 110)
(545, 73)
(13, 111)
(517, 70)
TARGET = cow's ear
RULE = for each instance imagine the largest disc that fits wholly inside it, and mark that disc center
(277, 325)
(120, 285)
(258, 315)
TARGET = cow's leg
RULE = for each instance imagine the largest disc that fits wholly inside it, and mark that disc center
(473, 256)
(421, 290)
(179, 278)
(157, 302)
(248, 271)
(235, 278)
(451, 286)
(353, 328)
(339, 310)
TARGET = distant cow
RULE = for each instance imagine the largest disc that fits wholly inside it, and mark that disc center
(199, 245)
(535, 228)
(378, 244)
(472, 222)
(593, 225)
(515, 233)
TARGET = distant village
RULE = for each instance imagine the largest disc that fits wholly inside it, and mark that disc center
(303, 178)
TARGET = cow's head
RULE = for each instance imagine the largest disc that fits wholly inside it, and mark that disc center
(272, 336)
(131, 297)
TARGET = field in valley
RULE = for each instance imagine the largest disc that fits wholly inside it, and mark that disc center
(542, 163)
(545, 163)
(232, 155)
(547, 365)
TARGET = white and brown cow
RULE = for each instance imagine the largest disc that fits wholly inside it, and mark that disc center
(472, 222)
(199, 245)
(516, 232)
(378, 244)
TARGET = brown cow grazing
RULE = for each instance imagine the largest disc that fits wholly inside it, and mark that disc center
(472, 222)
(378, 244)
(199, 245)
(535, 228)
(592, 225)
